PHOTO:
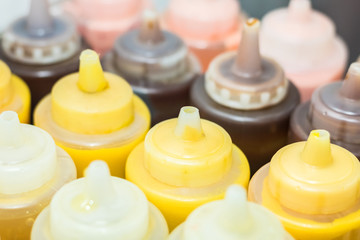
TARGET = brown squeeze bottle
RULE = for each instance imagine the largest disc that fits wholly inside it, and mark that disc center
(158, 66)
(41, 48)
(249, 96)
(334, 107)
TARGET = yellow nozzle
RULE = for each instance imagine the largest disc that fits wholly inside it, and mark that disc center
(91, 75)
(189, 125)
(317, 150)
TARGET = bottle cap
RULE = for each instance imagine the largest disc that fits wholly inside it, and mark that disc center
(40, 38)
(188, 151)
(233, 218)
(245, 80)
(153, 54)
(203, 20)
(28, 156)
(308, 177)
(336, 107)
(6, 89)
(301, 39)
(99, 206)
(92, 101)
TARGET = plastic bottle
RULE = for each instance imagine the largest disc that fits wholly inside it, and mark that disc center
(158, 66)
(99, 206)
(185, 162)
(313, 187)
(94, 114)
(101, 22)
(250, 96)
(335, 108)
(304, 42)
(40, 48)
(14, 94)
(229, 219)
(209, 27)
(32, 169)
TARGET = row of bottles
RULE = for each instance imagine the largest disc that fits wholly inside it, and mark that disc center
(189, 170)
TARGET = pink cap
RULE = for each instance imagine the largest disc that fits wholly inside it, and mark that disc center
(304, 42)
(101, 22)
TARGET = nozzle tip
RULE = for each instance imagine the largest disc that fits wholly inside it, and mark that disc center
(317, 150)
(189, 124)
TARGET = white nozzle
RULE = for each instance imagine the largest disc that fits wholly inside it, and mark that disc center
(10, 130)
(189, 124)
(150, 31)
(300, 10)
(39, 21)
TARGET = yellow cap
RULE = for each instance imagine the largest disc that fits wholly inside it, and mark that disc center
(308, 177)
(92, 101)
(6, 90)
(188, 151)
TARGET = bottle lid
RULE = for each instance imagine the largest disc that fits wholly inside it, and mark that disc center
(41, 38)
(308, 177)
(233, 218)
(6, 89)
(188, 151)
(92, 101)
(300, 38)
(336, 107)
(206, 20)
(28, 155)
(245, 80)
(153, 54)
(99, 206)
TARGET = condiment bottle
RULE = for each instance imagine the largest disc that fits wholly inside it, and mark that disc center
(209, 27)
(334, 107)
(229, 219)
(32, 169)
(99, 206)
(94, 114)
(157, 65)
(185, 162)
(41, 48)
(14, 94)
(304, 42)
(250, 96)
(313, 187)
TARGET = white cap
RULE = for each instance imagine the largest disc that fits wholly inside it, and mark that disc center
(99, 207)
(27, 155)
(233, 218)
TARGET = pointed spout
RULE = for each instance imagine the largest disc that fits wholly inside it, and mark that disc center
(317, 151)
(150, 32)
(39, 21)
(351, 86)
(189, 124)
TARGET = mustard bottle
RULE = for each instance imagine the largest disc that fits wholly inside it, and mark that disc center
(32, 169)
(99, 206)
(184, 163)
(14, 94)
(229, 219)
(313, 187)
(94, 115)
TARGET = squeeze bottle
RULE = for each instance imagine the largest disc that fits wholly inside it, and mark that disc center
(32, 169)
(334, 107)
(185, 162)
(304, 42)
(41, 48)
(312, 186)
(232, 218)
(14, 94)
(94, 114)
(209, 27)
(158, 66)
(250, 96)
(99, 206)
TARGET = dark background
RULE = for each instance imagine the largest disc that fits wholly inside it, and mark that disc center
(345, 14)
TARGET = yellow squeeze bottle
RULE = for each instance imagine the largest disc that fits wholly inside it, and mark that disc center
(233, 218)
(185, 162)
(94, 115)
(99, 206)
(14, 94)
(313, 187)
(32, 169)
